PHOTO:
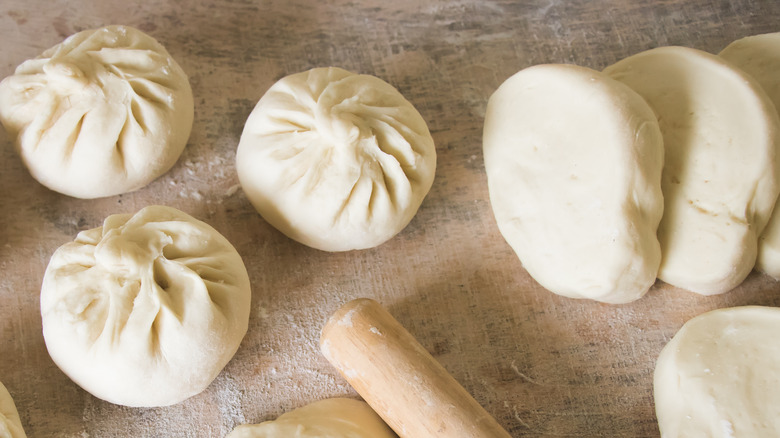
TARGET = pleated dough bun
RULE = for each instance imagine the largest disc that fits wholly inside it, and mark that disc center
(147, 309)
(720, 179)
(10, 423)
(102, 113)
(573, 161)
(759, 56)
(336, 160)
(328, 418)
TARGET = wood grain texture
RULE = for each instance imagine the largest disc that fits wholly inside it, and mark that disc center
(542, 365)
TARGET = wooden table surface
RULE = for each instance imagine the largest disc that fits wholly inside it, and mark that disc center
(543, 365)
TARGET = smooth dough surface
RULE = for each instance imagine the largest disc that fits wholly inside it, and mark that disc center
(573, 161)
(329, 418)
(336, 160)
(720, 178)
(759, 56)
(102, 113)
(718, 376)
(147, 309)
(10, 423)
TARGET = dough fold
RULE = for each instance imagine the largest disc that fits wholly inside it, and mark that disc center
(10, 423)
(102, 113)
(147, 309)
(336, 160)
(329, 418)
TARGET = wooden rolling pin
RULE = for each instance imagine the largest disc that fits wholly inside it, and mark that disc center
(394, 374)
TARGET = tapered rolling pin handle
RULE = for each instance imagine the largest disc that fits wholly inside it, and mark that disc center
(401, 381)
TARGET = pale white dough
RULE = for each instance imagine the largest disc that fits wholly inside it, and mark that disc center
(336, 160)
(329, 418)
(759, 56)
(147, 309)
(718, 376)
(10, 423)
(720, 177)
(102, 113)
(573, 161)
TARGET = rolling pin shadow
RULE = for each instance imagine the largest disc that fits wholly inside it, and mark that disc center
(399, 379)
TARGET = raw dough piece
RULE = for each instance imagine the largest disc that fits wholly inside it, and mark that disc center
(759, 56)
(10, 424)
(335, 160)
(102, 113)
(720, 177)
(147, 309)
(329, 418)
(718, 376)
(573, 161)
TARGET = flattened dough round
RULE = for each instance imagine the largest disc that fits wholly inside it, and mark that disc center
(720, 178)
(718, 376)
(329, 418)
(336, 160)
(102, 113)
(759, 56)
(10, 423)
(573, 161)
(147, 309)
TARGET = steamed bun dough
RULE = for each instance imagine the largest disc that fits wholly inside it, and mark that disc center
(573, 161)
(718, 376)
(759, 56)
(329, 418)
(335, 160)
(147, 309)
(720, 178)
(102, 113)
(10, 423)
